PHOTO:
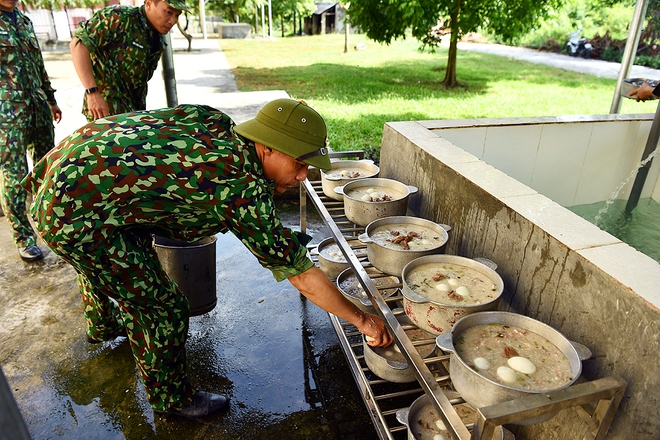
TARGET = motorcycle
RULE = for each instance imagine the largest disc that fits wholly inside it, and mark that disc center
(578, 47)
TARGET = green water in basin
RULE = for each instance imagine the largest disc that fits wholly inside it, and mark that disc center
(639, 228)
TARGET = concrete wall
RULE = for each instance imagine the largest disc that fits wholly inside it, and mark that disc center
(556, 267)
(574, 160)
(234, 30)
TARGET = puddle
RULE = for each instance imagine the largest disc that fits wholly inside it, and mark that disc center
(266, 347)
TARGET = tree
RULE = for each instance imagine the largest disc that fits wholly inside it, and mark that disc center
(385, 20)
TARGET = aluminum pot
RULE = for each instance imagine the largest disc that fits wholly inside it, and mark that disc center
(478, 390)
(362, 212)
(350, 287)
(333, 178)
(330, 258)
(421, 415)
(392, 261)
(439, 317)
(388, 363)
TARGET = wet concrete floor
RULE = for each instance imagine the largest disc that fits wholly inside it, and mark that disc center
(272, 352)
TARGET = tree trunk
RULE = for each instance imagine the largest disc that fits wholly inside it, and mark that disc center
(450, 80)
(345, 36)
(294, 22)
(282, 24)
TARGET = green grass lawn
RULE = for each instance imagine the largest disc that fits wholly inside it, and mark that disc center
(359, 91)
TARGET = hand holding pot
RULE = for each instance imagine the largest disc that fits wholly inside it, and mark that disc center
(375, 331)
(318, 288)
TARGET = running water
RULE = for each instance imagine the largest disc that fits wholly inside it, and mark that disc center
(618, 189)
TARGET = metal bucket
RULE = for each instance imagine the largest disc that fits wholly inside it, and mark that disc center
(192, 267)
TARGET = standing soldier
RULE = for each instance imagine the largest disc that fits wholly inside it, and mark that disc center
(27, 108)
(116, 52)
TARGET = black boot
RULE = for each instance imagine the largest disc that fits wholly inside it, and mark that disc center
(203, 404)
(30, 253)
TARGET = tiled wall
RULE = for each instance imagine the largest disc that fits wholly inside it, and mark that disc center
(573, 160)
(557, 267)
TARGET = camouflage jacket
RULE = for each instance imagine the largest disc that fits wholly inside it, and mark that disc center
(23, 77)
(125, 50)
(182, 173)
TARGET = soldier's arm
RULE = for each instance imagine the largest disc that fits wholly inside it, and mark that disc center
(82, 61)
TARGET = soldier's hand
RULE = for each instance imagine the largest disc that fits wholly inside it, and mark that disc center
(375, 331)
(97, 105)
(57, 113)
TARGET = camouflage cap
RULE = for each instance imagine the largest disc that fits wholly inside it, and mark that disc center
(177, 4)
(290, 127)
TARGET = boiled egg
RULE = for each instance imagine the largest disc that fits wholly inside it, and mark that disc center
(463, 291)
(481, 363)
(441, 425)
(453, 282)
(506, 374)
(366, 197)
(522, 365)
(443, 287)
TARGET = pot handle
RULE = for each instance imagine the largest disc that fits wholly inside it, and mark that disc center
(339, 190)
(397, 365)
(314, 250)
(447, 228)
(412, 189)
(411, 295)
(364, 238)
(582, 350)
(486, 262)
(369, 161)
(402, 415)
(444, 342)
(367, 302)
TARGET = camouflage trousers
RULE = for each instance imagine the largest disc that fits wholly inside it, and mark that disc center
(125, 291)
(16, 140)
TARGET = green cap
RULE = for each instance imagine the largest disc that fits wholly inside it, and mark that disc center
(290, 127)
(177, 4)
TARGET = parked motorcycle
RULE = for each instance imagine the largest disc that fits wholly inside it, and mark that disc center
(578, 47)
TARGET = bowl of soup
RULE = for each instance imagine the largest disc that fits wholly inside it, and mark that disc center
(500, 356)
(349, 285)
(424, 423)
(345, 171)
(438, 290)
(393, 242)
(366, 200)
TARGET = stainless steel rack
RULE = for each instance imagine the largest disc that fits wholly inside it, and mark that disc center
(383, 399)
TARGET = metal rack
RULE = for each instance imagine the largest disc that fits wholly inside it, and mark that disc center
(383, 399)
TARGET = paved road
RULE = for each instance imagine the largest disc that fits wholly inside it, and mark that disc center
(603, 69)
(203, 76)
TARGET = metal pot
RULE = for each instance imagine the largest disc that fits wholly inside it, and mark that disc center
(438, 317)
(392, 261)
(362, 212)
(332, 265)
(357, 296)
(329, 180)
(382, 362)
(414, 417)
(478, 390)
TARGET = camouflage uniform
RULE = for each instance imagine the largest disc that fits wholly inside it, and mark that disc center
(125, 51)
(25, 118)
(181, 173)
